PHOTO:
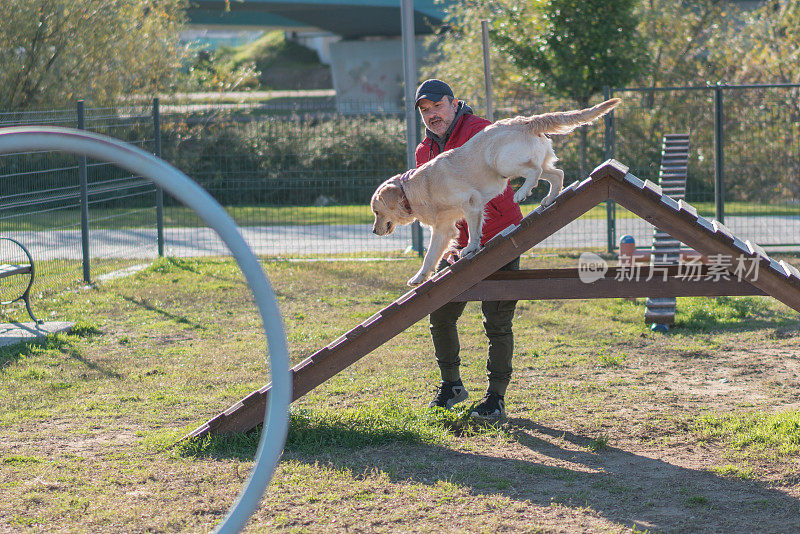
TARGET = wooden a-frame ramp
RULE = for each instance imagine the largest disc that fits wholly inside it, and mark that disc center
(475, 278)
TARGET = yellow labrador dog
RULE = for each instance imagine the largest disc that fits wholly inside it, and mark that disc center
(458, 183)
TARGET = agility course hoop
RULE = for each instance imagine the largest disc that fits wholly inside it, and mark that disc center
(180, 186)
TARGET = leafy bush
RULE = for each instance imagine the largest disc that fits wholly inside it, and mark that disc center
(269, 62)
(213, 71)
(290, 160)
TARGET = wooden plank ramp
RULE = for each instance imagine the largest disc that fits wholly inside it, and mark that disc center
(708, 237)
(609, 180)
(416, 304)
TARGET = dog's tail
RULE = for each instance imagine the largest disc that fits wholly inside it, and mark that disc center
(565, 121)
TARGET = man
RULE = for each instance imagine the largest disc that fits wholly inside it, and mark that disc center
(449, 124)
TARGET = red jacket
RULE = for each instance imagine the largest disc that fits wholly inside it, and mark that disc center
(501, 211)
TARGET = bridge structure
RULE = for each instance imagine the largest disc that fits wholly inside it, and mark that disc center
(359, 38)
(350, 19)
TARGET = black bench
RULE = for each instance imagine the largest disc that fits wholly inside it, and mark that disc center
(19, 269)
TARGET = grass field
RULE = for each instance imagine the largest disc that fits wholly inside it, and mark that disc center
(611, 428)
(307, 215)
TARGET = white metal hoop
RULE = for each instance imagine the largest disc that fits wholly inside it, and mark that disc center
(180, 186)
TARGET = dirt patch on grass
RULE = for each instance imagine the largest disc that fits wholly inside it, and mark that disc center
(590, 448)
(60, 437)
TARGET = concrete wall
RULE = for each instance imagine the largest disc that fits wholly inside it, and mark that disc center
(368, 74)
(320, 42)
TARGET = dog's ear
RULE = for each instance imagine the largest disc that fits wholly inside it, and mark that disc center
(391, 195)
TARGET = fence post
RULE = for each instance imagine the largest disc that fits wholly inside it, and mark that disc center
(84, 180)
(487, 71)
(159, 189)
(410, 77)
(608, 142)
(719, 153)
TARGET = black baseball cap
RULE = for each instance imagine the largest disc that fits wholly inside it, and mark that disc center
(433, 90)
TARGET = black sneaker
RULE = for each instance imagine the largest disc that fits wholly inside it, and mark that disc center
(491, 408)
(450, 394)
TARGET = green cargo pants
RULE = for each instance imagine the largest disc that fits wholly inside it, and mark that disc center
(497, 323)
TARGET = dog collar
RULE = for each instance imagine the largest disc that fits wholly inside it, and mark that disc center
(404, 179)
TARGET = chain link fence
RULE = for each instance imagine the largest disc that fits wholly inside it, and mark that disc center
(298, 181)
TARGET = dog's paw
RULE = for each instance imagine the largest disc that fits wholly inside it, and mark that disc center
(520, 195)
(470, 250)
(548, 200)
(417, 279)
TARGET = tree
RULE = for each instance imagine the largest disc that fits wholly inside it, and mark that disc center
(54, 51)
(767, 48)
(455, 53)
(680, 38)
(572, 48)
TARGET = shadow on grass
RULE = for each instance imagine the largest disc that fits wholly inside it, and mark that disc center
(180, 319)
(648, 492)
(10, 354)
(166, 265)
(541, 466)
(94, 366)
(320, 432)
(63, 343)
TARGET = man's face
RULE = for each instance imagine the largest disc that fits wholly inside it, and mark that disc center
(438, 116)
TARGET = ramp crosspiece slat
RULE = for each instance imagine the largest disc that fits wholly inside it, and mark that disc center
(549, 284)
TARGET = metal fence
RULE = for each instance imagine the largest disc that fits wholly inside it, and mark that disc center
(42, 195)
(298, 182)
(744, 166)
(297, 175)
